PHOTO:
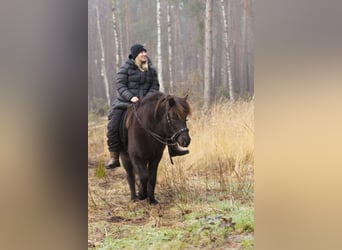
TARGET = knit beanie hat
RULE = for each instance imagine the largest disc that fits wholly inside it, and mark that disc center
(135, 50)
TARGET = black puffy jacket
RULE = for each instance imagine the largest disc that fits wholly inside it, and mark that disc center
(130, 81)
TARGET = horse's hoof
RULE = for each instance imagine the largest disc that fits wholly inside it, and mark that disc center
(134, 199)
(142, 197)
(153, 202)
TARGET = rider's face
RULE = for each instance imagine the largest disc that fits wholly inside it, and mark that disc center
(142, 56)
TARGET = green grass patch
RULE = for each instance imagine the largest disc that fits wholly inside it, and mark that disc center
(247, 244)
(100, 170)
(145, 238)
(210, 225)
(244, 219)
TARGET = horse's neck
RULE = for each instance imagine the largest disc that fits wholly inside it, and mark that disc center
(150, 123)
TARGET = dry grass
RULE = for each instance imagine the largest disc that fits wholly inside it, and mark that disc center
(222, 150)
(219, 169)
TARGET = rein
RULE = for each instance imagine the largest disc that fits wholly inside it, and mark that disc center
(166, 141)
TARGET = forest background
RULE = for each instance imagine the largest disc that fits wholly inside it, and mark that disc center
(204, 48)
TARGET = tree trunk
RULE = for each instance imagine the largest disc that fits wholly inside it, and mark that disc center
(103, 64)
(115, 33)
(227, 54)
(208, 54)
(121, 56)
(169, 7)
(250, 57)
(244, 55)
(179, 56)
(159, 56)
(128, 41)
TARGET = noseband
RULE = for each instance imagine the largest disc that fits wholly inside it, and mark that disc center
(166, 141)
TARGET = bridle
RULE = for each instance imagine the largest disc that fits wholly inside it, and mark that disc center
(170, 141)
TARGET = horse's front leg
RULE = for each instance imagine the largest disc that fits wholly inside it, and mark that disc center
(130, 176)
(152, 169)
(140, 167)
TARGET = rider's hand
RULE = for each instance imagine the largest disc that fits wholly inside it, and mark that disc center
(134, 99)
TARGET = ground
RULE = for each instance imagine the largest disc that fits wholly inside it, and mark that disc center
(205, 222)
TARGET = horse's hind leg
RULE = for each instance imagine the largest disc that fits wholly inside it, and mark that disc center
(130, 177)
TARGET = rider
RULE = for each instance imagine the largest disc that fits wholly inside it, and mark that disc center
(136, 79)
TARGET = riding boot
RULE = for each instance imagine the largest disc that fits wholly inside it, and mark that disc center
(174, 150)
(114, 160)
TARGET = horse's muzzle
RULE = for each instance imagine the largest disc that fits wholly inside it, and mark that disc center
(184, 140)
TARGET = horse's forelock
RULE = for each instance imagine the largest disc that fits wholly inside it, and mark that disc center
(181, 108)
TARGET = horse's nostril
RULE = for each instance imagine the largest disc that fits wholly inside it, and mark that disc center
(185, 143)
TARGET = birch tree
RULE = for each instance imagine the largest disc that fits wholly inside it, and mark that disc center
(103, 64)
(115, 34)
(208, 53)
(227, 47)
(169, 7)
(159, 56)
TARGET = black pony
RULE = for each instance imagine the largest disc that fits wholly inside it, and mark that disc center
(157, 121)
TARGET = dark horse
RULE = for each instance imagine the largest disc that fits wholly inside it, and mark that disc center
(156, 121)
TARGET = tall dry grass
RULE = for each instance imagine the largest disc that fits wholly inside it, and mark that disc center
(97, 140)
(221, 158)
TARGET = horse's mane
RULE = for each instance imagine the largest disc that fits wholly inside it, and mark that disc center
(158, 103)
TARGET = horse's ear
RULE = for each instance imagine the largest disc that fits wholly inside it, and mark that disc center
(171, 101)
(187, 95)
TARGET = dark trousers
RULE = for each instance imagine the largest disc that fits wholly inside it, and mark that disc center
(113, 133)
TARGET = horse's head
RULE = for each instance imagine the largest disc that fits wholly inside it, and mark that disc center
(177, 111)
